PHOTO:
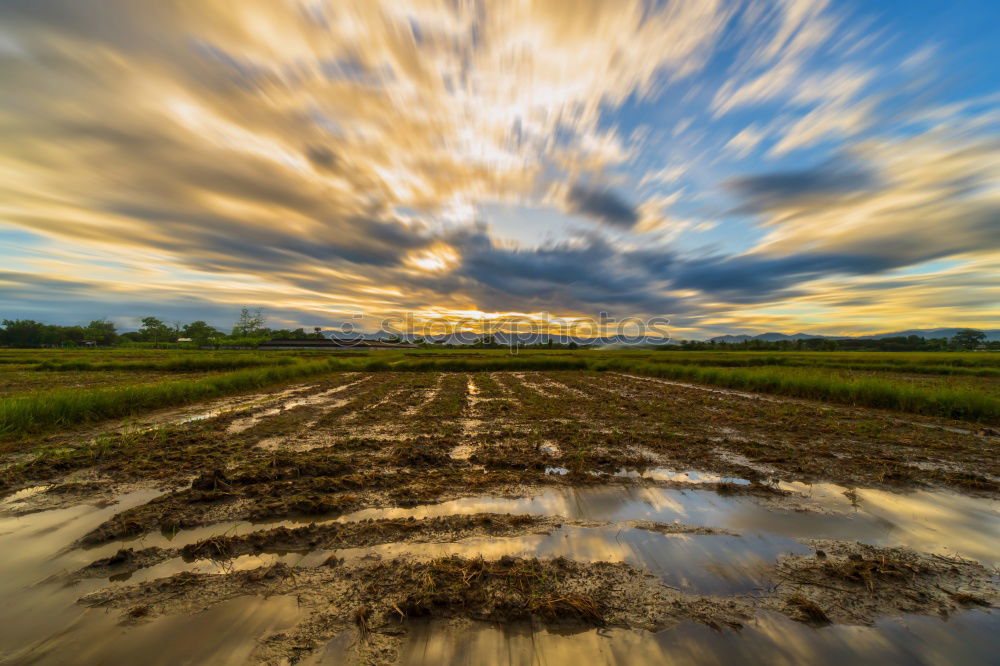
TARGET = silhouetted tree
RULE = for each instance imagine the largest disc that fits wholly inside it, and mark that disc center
(968, 338)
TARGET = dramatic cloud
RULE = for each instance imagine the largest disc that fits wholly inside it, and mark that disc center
(322, 158)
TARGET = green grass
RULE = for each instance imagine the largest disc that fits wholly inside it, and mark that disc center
(185, 364)
(21, 416)
(802, 375)
(874, 392)
(873, 365)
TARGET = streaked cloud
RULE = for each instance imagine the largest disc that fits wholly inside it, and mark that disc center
(695, 159)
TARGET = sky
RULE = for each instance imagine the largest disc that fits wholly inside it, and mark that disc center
(745, 166)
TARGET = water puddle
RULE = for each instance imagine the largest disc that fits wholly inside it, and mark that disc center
(712, 564)
(969, 639)
(40, 621)
(716, 564)
(674, 476)
(224, 634)
(245, 423)
(199, 413)
(937, 522)
(35, 550)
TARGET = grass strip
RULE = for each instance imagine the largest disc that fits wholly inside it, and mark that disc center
(43, 411)
(877, 366)
(172, 365)
(34, 413)
(960, 404)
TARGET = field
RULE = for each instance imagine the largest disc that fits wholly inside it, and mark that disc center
(447, 506)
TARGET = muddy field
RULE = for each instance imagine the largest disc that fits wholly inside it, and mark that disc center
(515, 517)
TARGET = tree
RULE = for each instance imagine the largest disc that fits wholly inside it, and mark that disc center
(200, 332)
(968, 338)
(250, 323)
(21, 333)
(70, 336)
(155, 330)
(102, 332)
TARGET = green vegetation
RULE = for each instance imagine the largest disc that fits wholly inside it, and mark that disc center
(966, 367)
(952, 385)
(858, 391)
(49, 410)
(184, 364)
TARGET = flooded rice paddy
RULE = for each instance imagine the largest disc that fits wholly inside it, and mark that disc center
(536, 518)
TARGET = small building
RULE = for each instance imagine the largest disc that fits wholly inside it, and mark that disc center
(184, 340)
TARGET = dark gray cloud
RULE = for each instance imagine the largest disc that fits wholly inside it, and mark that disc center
(587, 275)
(762, 278)
(603, 205)
(321, 157)
(830, 180)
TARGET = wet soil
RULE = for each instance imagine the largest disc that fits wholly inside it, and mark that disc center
(842, 583)
(569, 501)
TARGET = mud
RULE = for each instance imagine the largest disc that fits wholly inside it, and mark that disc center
(374, 598)
(844, 583)
(358, 516)
(858, 583)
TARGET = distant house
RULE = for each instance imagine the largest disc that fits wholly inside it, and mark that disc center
(184, 340)
(330, 344)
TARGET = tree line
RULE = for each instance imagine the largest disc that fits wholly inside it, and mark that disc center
(249, 329)
(965, 339)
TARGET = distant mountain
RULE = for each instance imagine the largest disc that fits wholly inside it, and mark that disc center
(773, 337)
(992, 334)
(505, 338)
(731, 339)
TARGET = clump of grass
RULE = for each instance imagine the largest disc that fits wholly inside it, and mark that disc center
(361, 615)
(967, 599)
(869, 569)
(137, 612)
(508, 588)
(418, 454)
(807, 610)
